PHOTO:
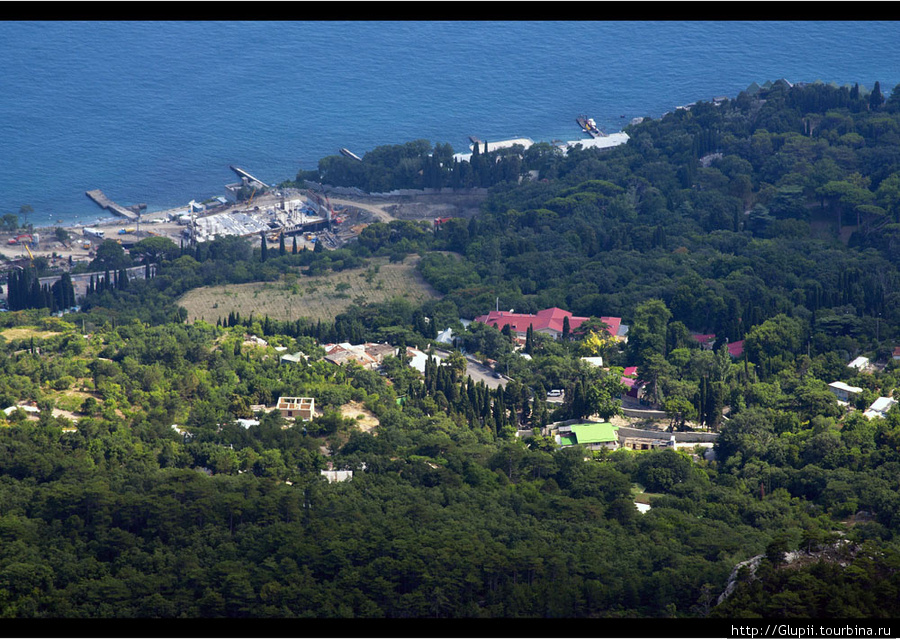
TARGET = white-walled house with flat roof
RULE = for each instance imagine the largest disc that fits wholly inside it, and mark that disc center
(844, 392)
(880, 408)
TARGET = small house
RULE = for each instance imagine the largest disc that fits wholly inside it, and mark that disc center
(367, 355)
(736, 349)
(860, 363)
(337, 475)
(30, 408)
(844, 392)
(880, 408)
(591, 435)
(292, 358)
(417, 358)
(706, 340)
(297, 407)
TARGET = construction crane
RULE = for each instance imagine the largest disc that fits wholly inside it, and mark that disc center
(30, 254)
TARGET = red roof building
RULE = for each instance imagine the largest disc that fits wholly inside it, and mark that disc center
(548, 321)
(736, 349)
(707, 340)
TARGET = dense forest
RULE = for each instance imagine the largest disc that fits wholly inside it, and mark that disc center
(772, 218)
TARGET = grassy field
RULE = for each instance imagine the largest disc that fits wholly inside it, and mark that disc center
(23, 332)
(320, 297)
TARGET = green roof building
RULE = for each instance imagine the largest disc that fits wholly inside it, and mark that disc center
(591, 434)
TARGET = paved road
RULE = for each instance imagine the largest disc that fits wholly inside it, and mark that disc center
(477, 371)
(481, 373)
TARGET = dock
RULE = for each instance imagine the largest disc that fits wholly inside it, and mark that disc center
(350, 154)
(588, 126)
(241, 173)
(104, 202)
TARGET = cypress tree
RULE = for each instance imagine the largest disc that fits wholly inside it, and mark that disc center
(263, 248)
(294, 246)
(281, 248)
(876, 99)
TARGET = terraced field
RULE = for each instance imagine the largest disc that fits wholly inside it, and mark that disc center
(320, 297)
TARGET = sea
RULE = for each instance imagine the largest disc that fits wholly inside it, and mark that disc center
(155, 112)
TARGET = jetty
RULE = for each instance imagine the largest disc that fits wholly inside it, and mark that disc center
(350, 154)
(104, 202)
(241, 173)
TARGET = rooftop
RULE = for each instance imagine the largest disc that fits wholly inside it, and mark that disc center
(846, 387)
(549, 319)
(594, 433)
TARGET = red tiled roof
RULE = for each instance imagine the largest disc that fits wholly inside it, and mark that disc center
(547, 319)
(613, 323)
(704, 338)
(736, 349)
(630, 371)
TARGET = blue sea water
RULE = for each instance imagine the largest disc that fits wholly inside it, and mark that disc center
(155, 112)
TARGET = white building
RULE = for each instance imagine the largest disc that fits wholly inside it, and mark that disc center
(417, 358)
(293, 358)
(860, 363)
(337, 475)
(880, 408)
(844, 392)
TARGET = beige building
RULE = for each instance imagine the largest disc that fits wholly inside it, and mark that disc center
(367, 355)
(297, 407)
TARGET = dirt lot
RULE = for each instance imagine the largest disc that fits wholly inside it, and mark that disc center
(416, 207)
(365, 420)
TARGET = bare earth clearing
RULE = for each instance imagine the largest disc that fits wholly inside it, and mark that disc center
(365, 420)
(320, 297)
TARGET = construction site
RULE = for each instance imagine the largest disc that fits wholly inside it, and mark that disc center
(249, 208)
